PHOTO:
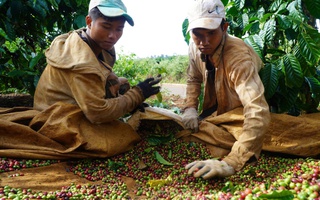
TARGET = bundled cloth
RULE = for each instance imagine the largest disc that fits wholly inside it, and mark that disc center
(63, 132)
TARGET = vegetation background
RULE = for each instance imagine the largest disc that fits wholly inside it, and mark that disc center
(282, 32)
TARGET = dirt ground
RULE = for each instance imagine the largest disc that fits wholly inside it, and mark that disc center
(174, 100)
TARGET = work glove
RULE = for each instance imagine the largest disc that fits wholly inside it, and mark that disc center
(140, 107)
(147, 86)
(190, 119)
(209, 168)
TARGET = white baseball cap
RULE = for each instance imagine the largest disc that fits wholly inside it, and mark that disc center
(111, 8)
(206, 14)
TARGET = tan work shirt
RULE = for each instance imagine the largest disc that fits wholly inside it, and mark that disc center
(237, 84)
(75, 75)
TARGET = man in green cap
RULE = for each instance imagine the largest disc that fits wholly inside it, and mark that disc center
(79, 74)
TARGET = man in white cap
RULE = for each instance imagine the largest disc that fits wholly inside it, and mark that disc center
(228, 68)
(79, 73)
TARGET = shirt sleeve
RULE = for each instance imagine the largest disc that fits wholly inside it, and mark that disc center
(250, 90)
(194, 79)
(88, 90)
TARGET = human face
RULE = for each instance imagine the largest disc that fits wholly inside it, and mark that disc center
(105, 33)
(207, 40)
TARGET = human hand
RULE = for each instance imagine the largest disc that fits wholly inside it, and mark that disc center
(140, 107)
(190, 119)
(209, 168)
(147, 86)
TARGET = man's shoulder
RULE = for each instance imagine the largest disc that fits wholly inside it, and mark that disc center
(234, 41)
(65, 36)
(237, 46)
(236, 50)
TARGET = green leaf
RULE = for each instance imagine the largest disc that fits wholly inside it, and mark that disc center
(68, 3)
(157, 140)
(260, 12)
(275, 5)
(160, 159)
(307, 68)
(228, 187)
(79, 22)
(40, 7)
(239, 4)
(245, 19)
(313, 33)
(309, 49)
(265, 17)
(314, 85)
(20, 73)
(270, 29)
(34, 61)
(284, 22)
(282, 195)
(11, 46)
(54, 4)
(256, 43)
(292, 70)
(313, 7)
(148, 150)
(247, 27)
(160, 182)
(170, 153)
(225, 2)
(285, 96)
(269, 77)
(159, 96)
(291, 34)
(275, 52)
(232, 11)
(17, 10)
(10, 30)
(293, 12)
(186, 35)
(3, 34)
(282, 8)
(115, 165)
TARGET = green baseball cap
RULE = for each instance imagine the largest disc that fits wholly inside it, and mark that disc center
(111, 8)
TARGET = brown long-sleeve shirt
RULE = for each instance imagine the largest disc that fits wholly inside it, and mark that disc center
(75, 75)
(237, 84)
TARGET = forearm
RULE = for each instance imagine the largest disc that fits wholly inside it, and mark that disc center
(250, 142)
(193, 92)
(114, 108)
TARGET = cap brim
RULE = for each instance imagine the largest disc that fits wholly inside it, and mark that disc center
(115, 12)
(207, 23)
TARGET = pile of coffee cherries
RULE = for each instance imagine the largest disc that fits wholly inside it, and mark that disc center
(156, 166)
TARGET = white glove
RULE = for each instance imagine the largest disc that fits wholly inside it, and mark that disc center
(210, 168)
(190, 119)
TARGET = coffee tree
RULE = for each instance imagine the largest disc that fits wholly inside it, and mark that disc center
(283, 33)
(26, 29)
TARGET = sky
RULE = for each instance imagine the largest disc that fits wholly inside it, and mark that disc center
(157, 30)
